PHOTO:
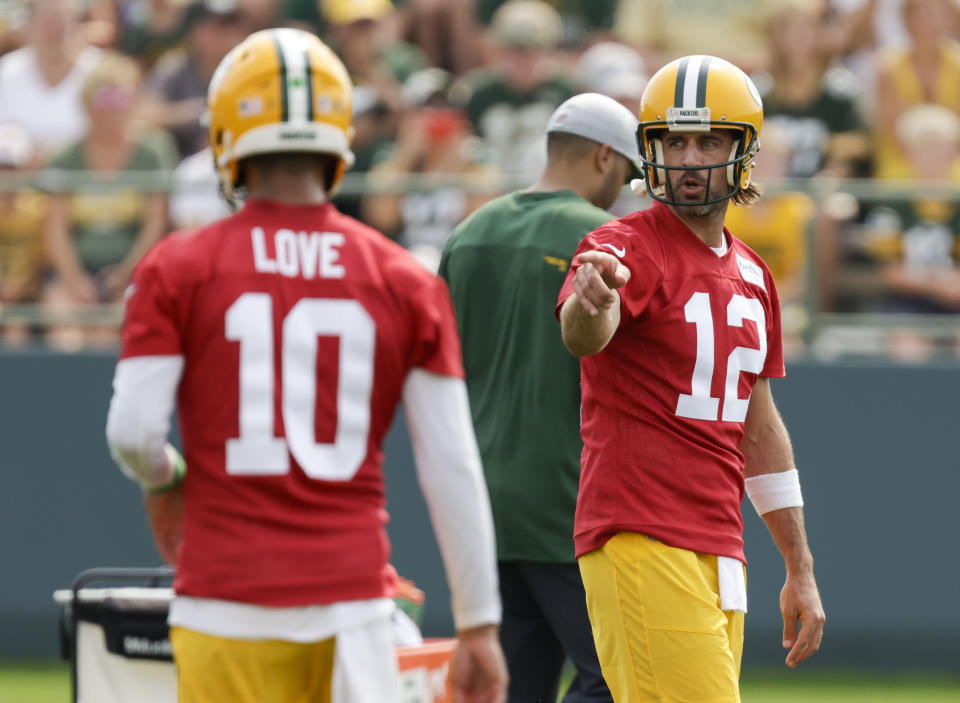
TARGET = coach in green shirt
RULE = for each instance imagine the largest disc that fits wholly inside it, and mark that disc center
(505, 265)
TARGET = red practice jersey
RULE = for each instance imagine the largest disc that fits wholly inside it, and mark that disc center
(298, 326)
(664, 403)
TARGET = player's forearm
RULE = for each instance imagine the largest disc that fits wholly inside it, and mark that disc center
(583, 333)
(772, 482)
(766, 445)
(768, 450)
(789, 534)
(451, 478)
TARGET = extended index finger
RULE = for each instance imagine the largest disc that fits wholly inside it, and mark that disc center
(610, 268)
(600, 259)
(591, 290)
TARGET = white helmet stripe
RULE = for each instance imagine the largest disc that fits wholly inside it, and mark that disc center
(691, 81)
(293, 54)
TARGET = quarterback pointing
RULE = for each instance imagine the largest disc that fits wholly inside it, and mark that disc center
(677, 324)
(287, 334)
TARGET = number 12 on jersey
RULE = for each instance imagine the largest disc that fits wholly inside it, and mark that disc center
(699, 404)
(257, 452)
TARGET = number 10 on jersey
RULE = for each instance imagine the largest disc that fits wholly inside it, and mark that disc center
(257, 451)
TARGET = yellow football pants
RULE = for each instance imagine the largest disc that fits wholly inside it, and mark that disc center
(217, 669)
(657, 623)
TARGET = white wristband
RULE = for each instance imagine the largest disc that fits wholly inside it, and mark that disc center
(769, 492)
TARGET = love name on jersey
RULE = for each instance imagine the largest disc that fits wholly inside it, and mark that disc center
(307, 254)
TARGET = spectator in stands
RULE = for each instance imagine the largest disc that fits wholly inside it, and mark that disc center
(434, 138)
(176, 86)
(777, 227)
(918, 239)
(375, 120)
(584, 21)
(150, 28)
(619, 72)
(365, 35)
(263, 14)
(13, 18)
(97, 25)
(97, 231)
(927, 70)
(101, 23)
(665, 30)
(614, 70)
(446, 30)
(813, 98)
(194, 194)
(511, 101)
(902, 252)
(302, 14)
(864, 28)
(40, 83)
(21, 230)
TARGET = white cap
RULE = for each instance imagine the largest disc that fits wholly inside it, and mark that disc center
(601, 119)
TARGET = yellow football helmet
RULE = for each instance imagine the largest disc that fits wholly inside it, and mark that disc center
(697, 94)
(279, 90)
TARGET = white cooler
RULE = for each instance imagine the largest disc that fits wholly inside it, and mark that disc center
(116, 638)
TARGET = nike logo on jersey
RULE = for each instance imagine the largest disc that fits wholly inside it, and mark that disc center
(622, 252)
(307, 254)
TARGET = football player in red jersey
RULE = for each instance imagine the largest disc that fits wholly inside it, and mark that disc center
(287, 334)
(677, 324)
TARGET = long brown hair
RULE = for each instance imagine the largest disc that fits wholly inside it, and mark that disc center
(749, 195)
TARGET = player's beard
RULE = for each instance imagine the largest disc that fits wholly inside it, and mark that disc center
(715, 186)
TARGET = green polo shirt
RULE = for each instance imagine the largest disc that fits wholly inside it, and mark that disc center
(505, 265)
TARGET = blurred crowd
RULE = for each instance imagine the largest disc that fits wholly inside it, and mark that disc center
(101, 104)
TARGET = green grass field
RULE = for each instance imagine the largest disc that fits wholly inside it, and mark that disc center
(46, 682)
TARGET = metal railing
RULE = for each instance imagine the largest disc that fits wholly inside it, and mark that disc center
(821, 329)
